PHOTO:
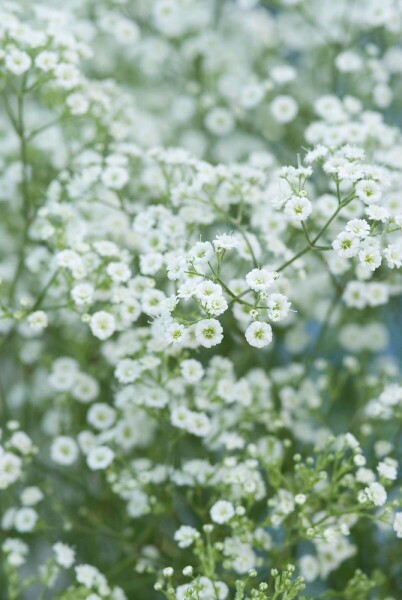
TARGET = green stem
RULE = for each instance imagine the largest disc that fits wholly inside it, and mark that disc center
(312, 242)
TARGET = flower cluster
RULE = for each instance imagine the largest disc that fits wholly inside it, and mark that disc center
(200, 299)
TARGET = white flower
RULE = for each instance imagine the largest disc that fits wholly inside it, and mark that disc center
(10, 469)
(151, 263)
(176, 267)
(99, 458)
(192, 370)
(128, 370)
(152, 302)
(351, 441)
(376, 493)
(119, 272)
(180, 417)
(222, 511)
(185, 536)
(309, 567)
(207, 290)
(370, 258)
(376, 293)
(115, 177)
(216, 305)
(82, 293)
(69, 260)
(278, 307)
(25, 520)
(77, 103)
(106, 248)
(22, 442)
(252, 95)
(219, 121)
(355, 294)
(388, 468)
(346, 244)
(67, 76)
(348, 62)
(377, 213)
(65, 556)
(85, 388)
(15, 551)
(201, 252)
(393, 256)
(64, 450)
(359, 227)
(198, 424)
(176, 333)
(208, 332)
(260, 280)
(87, 575)
(368, 191)
(259, 334)
(38, 321)
(284, 109)
(102, 324)
(298, 207)
(46, 60)
(101, 416)
(225, 241)
(31, 496)
(17, 61)
(397, 525)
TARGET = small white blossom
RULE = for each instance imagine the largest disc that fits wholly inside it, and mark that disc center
(376, 493)
(64, 450)
(259, 334)
(100, 458)
(222, 511)
(208, 332)
(102, 324)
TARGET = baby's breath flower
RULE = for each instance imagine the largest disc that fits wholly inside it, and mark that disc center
(259, 334)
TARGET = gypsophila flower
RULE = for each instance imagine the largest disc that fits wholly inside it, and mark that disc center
(181, 182)
(278, 307)
(65, 556)
(17, 62)
(225, 241)
(64, 450)
(192, 370)
(368, 191)
(128, 370)
(102, 324)
(259, 334)
(346, 244)
(284, 109)
(10, 469)
(82, 293)
(208, 332)
(219, 121)
(185, 536)
(298, 207)
(388, 469)
(376, 493)
(100, 458)
(222, 511)
(260, 280)
(397, 524)
(176, 333)
(25, 520)
(38, 321)
(31, 496)
(101, 416)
